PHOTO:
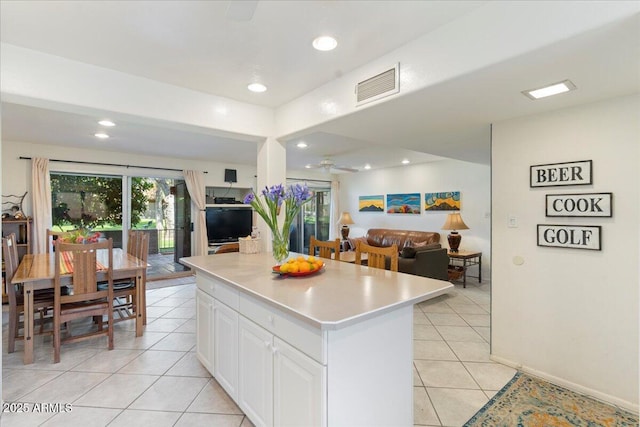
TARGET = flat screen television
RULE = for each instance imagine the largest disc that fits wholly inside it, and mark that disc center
(226, 224)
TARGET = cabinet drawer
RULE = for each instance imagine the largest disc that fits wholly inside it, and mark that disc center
(220, 291)
(304, 337)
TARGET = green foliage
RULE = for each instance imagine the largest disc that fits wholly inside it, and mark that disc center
(92, 201)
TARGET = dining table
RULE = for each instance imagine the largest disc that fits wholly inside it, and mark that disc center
(37, 271)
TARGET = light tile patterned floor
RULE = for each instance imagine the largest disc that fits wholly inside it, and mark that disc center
(157, 380)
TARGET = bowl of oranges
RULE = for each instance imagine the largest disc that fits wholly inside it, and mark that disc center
(299, 266)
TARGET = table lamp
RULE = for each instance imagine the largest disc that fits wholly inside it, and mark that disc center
(454, 222)
(345, 220)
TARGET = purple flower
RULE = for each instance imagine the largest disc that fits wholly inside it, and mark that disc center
(298, 193)
(249, 198)
(274, 194)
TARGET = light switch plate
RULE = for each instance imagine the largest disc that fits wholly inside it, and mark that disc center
(512, 221)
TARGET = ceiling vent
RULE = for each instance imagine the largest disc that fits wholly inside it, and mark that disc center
(376, 87)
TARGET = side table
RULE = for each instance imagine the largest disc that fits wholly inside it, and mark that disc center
(466, 259)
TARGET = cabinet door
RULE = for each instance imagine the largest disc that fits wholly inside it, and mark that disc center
(204, 329)
(299, 388)
(225, 355)
(255, 387)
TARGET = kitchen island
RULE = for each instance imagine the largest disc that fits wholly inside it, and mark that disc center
(330, 349)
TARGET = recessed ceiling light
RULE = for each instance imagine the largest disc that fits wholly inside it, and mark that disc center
(405, 162)
(101, 135)
(554, 89)
(308, 166)
(107, 123)
(367, 166)
(325, 43)
(257, 87)
(301, 144)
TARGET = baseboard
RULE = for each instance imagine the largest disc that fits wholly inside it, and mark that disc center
(603, 397)
(171, 276)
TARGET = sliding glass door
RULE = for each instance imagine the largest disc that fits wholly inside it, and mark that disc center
(158, 206)
(162, 208)
(88, 201)
(313, 220)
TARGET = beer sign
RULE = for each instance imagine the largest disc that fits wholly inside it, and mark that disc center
(561, 174)
(579, 205)
(570, 236)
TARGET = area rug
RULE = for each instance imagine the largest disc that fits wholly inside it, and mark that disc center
(529, 402)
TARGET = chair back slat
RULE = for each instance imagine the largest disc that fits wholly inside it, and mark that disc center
(138, 244)
(10, 257)
(324, 248)
(85, 273)
(52, 236)
(377, 256)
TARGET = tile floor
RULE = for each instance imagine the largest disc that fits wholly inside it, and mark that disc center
(157, 380)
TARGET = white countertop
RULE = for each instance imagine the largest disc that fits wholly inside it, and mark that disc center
(340, 295)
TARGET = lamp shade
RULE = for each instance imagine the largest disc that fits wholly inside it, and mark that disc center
(345, 219)
(454, 222)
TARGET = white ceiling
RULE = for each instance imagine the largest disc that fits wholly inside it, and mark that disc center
(203, 46)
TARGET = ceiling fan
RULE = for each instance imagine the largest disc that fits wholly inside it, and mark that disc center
(328, 165)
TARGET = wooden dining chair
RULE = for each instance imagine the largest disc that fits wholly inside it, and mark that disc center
(52, 236)
(325, 248)
(42, 299)
(85, 299)
(125, 291)
(377, 256)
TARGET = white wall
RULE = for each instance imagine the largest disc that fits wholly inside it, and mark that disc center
(565, 314)
(16, 174)
(472, 180)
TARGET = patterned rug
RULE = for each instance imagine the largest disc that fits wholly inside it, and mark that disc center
(529, 402)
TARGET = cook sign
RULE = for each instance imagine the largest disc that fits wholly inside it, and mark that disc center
(579, 205)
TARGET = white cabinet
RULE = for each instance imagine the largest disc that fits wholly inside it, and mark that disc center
(204, 329)
(242, 343)
(279, 385)
(225, 368)
(298, 388)
(255, 387)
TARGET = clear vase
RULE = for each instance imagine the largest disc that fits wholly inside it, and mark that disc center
(280, 247)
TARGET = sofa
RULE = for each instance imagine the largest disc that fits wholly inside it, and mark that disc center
(420, 252)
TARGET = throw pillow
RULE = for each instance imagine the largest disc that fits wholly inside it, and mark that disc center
(408, 252)
(354, 240)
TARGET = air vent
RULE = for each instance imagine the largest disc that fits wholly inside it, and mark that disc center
(384, 84)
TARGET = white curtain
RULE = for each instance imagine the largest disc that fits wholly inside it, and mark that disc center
(196, 188)
(41, 187)
(334, 216)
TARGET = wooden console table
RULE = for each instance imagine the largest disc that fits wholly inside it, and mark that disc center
(466, 259)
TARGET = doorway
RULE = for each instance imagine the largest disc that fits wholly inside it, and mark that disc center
(162, 207)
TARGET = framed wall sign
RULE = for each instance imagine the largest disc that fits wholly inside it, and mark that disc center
(579, 205)
(561, 174)
(570, 236)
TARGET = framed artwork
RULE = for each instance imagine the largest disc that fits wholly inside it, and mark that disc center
(371, 203)
(442, 201)
(408, 203)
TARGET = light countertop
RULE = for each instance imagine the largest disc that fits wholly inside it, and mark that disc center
(340, 295)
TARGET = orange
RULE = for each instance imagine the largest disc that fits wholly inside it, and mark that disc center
(284, 268)
(294, 267)
(311, 259)
(319, 262)
(300, 258)
(318, 265)
(304, 267)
